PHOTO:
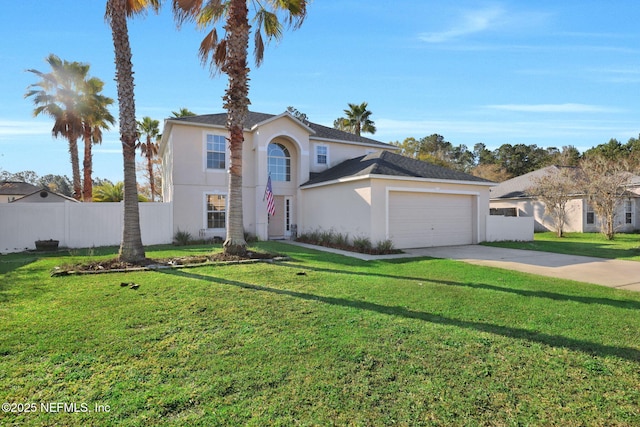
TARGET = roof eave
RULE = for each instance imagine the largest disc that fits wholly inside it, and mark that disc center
(378, 145)
(398, 178)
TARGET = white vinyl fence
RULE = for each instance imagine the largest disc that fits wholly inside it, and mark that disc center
(79, 225)
(509, 228)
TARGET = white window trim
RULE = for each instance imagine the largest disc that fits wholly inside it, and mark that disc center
(205, 224)
(315, 155)
(628, 204)
(227, 153)
(589, 209)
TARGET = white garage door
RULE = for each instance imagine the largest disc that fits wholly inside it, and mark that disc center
(419, 220)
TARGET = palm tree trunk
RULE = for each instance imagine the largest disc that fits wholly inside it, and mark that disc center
(152, 183)
(131, 249)
(87, 164)
(75, 168)
(237, 104)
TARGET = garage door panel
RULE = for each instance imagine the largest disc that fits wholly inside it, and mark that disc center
(428, 219)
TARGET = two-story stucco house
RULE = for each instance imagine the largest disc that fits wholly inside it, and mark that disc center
(322, 178)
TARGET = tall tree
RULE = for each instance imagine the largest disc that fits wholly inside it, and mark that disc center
(95, 116)
(228, 54)
(298, 114)
(555, 189)
(357, 120)
(109, 192)
(117, 12)
(151, 129)
(56, 95)
(183, 112)
(605, 182)
(57, 183)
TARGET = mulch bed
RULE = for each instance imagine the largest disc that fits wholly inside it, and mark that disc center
(117, 266)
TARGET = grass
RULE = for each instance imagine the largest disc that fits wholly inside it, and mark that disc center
(318, 340)
(624, 246)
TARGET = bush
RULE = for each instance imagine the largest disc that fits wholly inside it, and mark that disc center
(385, 247)
(362, 244)
(331, 239)
(182, 238)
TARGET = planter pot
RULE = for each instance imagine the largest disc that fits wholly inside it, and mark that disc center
(47, 245)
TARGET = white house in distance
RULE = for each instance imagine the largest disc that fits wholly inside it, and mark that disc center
(511, 198)
(12, 190)
(322, 179)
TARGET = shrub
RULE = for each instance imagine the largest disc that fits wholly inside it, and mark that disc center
(362, 244)
(327, 237)
(182, 238)
(341, 240)
(385, 247)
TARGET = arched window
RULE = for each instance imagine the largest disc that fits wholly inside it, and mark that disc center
(279, 162)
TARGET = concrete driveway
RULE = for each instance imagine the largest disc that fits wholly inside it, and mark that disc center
(607, 272)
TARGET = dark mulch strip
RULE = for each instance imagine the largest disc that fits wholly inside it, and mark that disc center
(115, 265)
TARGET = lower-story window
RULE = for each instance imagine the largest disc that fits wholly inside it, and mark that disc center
(591, 215)
(216, 210)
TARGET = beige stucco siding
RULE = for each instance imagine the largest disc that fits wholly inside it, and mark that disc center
(360, 208)
(342, 207)
(338, 153)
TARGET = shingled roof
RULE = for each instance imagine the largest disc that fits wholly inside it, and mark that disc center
(517, 187)
(391, 164)
(15, 188)
(254, 118)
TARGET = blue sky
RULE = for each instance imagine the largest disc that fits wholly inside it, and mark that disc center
(534, 72)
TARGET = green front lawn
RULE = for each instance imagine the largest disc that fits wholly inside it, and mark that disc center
(624, 246)
(318, 340)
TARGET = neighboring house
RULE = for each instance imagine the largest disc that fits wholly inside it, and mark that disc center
(43, 195)
(12, 190)
(322, 179)
(510, 198)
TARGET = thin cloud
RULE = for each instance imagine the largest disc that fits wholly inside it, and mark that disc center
(17, 127)
(553, 108)
(470, 22)
(491, 18)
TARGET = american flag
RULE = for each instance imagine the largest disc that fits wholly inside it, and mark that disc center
(268, 194)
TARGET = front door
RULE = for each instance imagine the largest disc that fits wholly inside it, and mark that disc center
(280, 222)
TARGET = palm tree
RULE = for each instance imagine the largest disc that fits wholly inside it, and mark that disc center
(56, 95)
(150, 128)
(117, 12)
(95, 118)
(183, 112)
(108, 192)
(356, 121)
(229, 56)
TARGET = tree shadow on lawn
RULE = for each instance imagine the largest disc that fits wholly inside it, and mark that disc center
(11, 263)
(591, 348)
(627, 304)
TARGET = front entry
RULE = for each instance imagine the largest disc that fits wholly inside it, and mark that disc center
(280, 223)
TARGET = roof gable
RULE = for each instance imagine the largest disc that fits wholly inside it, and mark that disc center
(386, 163)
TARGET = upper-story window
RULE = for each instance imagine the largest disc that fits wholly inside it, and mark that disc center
(322, 155)
(279, 162)
(216, 152)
